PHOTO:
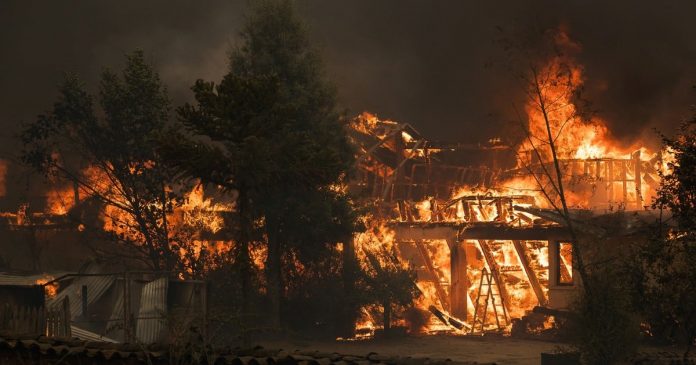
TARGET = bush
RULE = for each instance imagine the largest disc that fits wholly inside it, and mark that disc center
(607, 330)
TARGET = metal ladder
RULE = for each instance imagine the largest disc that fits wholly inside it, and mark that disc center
(488, 295)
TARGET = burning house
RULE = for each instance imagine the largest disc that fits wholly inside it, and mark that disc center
(486, 246)
(483, 225)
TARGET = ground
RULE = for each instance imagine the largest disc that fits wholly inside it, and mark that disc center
(501, 350)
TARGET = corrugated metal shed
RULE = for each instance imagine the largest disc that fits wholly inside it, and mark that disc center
(152, 314)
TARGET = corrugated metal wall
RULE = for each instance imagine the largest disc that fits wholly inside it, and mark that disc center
(151, 322)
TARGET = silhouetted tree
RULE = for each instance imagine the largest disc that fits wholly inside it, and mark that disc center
(541, 62)
(108, 152)
(666, 291)
(270, 132)
(388, 284)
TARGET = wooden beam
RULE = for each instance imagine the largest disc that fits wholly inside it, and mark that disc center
(495, 232)
(531, 275)
(431, 270)
(415, 231)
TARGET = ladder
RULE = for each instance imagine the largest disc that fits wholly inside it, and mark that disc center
(486, 295)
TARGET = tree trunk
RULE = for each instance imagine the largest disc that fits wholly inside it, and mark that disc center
(273, 271)
(387, 316)
(577, 255)
(243, 260)
(349, 276)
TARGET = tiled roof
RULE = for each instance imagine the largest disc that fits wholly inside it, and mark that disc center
(84, 352)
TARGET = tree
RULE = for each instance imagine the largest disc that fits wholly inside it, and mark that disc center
(666, 275)
(551, 85)
(389, 284)
(272, 136)
(108, 152)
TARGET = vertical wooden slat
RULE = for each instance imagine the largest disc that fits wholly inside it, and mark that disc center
(459, 281)
(610, 179)
(66, 317)
(624, 178)
(637, 177)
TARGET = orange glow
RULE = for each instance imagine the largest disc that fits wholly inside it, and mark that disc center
(50, 289)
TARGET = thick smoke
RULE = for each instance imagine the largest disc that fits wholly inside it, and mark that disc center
(430, 63)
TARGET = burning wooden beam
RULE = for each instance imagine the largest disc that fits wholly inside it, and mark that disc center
(531, 275)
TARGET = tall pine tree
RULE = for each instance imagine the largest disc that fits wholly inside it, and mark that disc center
(272, 134)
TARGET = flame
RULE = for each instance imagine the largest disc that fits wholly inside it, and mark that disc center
(194, 215)
(602, 173)
(199, 210)
(50, 289)
(553, 97)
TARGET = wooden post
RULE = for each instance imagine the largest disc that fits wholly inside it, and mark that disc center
(459, 281)
(610, 179)
(84, 301)
(397, 189)
(586, 168)
(624, 178)
(66, 317)
(638, 179)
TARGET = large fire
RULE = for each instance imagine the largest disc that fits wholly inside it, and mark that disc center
(187, 219)
(600, 173)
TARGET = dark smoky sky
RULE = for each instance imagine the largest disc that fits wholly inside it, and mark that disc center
(421, 62)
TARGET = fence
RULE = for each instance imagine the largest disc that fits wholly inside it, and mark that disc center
(35, 321)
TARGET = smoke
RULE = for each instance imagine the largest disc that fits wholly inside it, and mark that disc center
(427, 63)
